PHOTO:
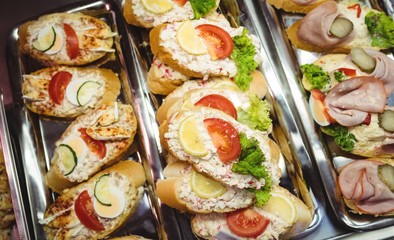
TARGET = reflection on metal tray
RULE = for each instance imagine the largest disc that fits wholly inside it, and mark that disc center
(326, 155)
(34, 136)
(296, 163)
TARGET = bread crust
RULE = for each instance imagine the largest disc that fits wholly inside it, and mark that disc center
(32, 89)
(291, 6)
(130, 16)
(56, 180)
(85, 54)
(132, 170)
(161, 84)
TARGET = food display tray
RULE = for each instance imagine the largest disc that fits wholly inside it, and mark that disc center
(325, 154)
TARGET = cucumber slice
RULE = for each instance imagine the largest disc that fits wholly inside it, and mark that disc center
(101, 190)
(68, 158)
(341, 27)
(363, 60)
(45, 39)
(86, 91)
(387, 120)
(386, 174)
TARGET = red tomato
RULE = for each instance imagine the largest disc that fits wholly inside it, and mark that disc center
(96, 146)
(57, 86)
(72, 44)
(247, 223)
(357, 7)
(367, 120)
(317, 94)
(225, 138)
(180, 2)
(85, 212)
(218, 102)
(219, 42)
(348, 71)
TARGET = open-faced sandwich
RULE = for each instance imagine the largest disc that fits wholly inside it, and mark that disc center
(338, 27)
(69, 91)
(187, 190)
(367, 186)
(222, 148)
(205, 48)
(352, 100)
(66, 39)
(282, 217)
(151, 13)
(98, 138)
(96, 208)
(296, 6)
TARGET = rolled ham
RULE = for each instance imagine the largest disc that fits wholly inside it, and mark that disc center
(315, 27)
(350, 102)
(304, 2)
(359, 182)
(384, 70)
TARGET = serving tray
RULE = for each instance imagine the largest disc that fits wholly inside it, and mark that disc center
(326, 155)
(33, 137)
(297, 170)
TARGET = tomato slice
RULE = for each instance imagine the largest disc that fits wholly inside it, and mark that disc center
(247, 223)
(180, 2)
(85, 212)
(319, 95)
(348, 71)
(72, 44)
(96, 146)
(219, 42)
(57, 86)
(225, 138)
(218, 102)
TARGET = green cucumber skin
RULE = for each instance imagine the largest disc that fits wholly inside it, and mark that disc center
(74, 155)
(52, 44)
(95, 187)
(79, 89)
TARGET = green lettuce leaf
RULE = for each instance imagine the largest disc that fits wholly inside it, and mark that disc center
(250, 163)
(243, 55)
(381, 28)
(202, 7)
(257, 116)
(315, 74)
(342, 137)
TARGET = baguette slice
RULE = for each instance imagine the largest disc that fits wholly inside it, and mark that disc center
(375, 198)
(165, 46)
(94, 37)
(287, 217)
(111, 128)
(126, 178)
(316, 38)
(98, 85)
(176, 192)
(208, 162)
(138, 15)
(174, 101)
(296, 6)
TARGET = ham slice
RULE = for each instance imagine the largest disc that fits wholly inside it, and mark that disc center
(350, 101)
(384, 70)
(315, 27)
(359, 181)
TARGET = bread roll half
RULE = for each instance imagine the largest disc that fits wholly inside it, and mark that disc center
(296, 6)
(64, 217)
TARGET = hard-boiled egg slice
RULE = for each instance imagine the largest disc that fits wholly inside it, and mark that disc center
(317, 109)
(58, 44)
(78, 145)
(72, 90)
(116, 207)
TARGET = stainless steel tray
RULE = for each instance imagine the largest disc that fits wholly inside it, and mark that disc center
(326, 155)
(33, 136)
(296, 165)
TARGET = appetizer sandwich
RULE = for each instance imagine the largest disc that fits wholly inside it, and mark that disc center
(338, 27)
(151, 13)
(296, 6)
(66, 39)
(69, 91)
(99, 138)
(352, 100)
(98, 207)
